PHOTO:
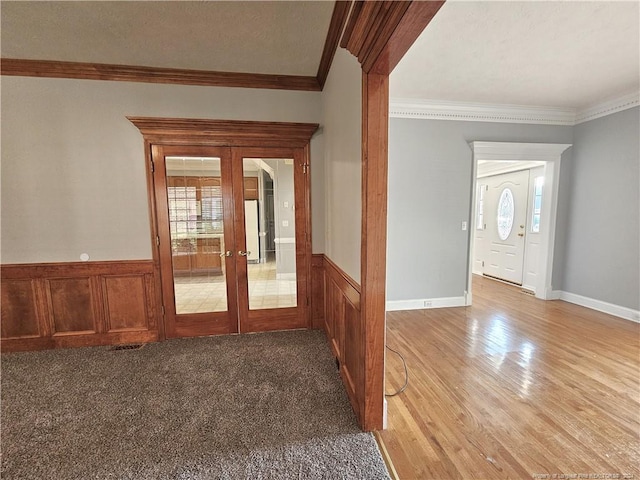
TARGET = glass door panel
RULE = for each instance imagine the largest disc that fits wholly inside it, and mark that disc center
(194, 196)
(270, 232)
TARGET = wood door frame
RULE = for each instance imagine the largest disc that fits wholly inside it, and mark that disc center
(163, 131)
(278, 318)
(210, 323)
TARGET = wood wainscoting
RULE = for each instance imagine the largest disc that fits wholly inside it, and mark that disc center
(58, 305)
(342, 324)
(317, 291)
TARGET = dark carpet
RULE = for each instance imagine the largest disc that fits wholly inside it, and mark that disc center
(264, 406)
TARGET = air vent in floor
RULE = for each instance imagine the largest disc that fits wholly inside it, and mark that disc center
(134, 346)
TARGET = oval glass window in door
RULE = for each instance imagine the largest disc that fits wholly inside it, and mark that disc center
(506, 211)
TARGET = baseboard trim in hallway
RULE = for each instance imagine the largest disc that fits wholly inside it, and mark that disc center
(599, 305)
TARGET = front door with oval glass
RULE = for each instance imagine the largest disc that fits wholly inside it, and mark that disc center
(504, 206)
(232, 227)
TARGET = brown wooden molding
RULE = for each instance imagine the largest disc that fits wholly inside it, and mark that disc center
(375, 119)
(72, 269)
(75, 304)
(317, 291)
(198, 131)
(351, 23)
(344, 326)
(385, 57)
(380, 33)
(338, 20)
(132, 73)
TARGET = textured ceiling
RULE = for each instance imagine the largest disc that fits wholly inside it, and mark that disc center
(568, 54)
(279, 37)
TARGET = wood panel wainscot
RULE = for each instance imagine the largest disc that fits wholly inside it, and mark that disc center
(317, 291)
(58, 305)
(342, 324)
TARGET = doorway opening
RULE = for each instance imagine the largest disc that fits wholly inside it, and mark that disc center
(513, 206)
(230, 223)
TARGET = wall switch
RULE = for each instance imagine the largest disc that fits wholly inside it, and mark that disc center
(285, 223)
(464, 225)
(285, 204)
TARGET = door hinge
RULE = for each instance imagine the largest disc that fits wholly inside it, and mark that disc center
(153, 166)
(483, 263)
(157, 240)
(305, 168)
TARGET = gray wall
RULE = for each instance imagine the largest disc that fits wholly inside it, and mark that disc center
(602, 250)
(342, 132)
(73, 169)
(430, 195)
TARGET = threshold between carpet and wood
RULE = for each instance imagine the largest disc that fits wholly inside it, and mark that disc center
(262, 406)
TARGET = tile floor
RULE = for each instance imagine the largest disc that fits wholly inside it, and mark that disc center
(199, 294)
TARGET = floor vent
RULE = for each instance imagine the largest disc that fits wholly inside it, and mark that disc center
(528, 292)
(134, 346)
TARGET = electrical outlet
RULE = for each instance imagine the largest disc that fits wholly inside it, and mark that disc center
(464, 225)
(427, 304)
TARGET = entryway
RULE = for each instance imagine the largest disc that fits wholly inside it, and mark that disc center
(230, 218)
(218, 274)
(516, 249)
(502, 225)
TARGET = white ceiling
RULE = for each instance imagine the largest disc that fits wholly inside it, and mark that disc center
(568, 54)
(277, 37)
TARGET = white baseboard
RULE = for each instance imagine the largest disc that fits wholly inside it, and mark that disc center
(554, 295)
(385, 416)
(422, 303)
(610, 308)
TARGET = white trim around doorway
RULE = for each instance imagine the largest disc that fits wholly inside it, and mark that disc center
(551, 155)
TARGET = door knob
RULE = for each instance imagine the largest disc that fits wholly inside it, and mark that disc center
(243, 254)
(228, 253)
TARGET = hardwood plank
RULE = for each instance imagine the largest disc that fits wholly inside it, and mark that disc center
(338, 20)
(133, 73)
(512, 387)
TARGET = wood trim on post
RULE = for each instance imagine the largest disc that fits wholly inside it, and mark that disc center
(375, 119)
(227, 133)
(378, 34)
(176, 76)
(338, 20)
(385, 56)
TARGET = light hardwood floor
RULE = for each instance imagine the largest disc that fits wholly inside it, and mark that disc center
(513, 387)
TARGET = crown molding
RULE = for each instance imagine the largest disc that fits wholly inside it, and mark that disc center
(484, 112)
(609, 107)
(133, 73)
(479, 112)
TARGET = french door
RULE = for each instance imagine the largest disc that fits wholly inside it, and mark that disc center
(233, 241)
